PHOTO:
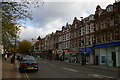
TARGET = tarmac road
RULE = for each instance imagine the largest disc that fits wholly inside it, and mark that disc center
(57, 69)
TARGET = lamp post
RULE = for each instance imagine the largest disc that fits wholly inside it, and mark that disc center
(14, 51)
(16, 30)
(84, 55)
(95, 62)
(13, 58)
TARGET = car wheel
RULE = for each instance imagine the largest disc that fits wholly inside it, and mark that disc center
(20, 70)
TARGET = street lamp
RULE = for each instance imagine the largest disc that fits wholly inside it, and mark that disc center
(13, 58)
(84, 55)
(95, 62)
(16, 30)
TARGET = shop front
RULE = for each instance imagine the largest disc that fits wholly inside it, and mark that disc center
(87, 55)
(74, 55)
(108, 54)
(59, 54)
(65, 55)
(54, 54)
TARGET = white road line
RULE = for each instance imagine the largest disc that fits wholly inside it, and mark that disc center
(99, 76)
(70, 69)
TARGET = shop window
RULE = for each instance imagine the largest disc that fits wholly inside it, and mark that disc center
(103, 59)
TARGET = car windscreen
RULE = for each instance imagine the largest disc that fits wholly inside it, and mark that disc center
(28, 60)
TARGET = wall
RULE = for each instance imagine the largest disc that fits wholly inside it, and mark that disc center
(107, 54)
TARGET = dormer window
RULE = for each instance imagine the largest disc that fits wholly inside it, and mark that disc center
(109, 8)
(91, 17)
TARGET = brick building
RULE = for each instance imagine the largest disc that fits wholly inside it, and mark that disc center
(95, 38)
(87, 39)
(107, 34)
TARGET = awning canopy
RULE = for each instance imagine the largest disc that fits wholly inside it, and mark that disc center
(86, 50)
(108, 44)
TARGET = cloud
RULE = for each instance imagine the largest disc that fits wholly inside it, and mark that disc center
(53, 15)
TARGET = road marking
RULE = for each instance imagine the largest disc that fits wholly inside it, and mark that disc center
(99, 76)
(70, 69)
(27, 77)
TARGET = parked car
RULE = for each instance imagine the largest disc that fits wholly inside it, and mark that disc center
(19, 56)
(28, 63)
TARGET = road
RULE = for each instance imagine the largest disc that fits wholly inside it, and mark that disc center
(57, 69)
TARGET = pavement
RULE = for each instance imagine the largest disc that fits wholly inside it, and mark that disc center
(10, 70)
(0, 67)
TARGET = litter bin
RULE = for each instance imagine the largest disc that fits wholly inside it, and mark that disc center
(12, 60)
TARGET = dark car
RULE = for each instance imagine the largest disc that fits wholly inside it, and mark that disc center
(19, 56)
(28, 63)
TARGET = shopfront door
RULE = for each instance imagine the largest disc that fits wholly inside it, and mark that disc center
(96, 60)
(114, 58)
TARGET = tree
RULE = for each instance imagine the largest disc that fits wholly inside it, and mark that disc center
(25, 46)
(9, 32)
(12, 12)
(14, 49)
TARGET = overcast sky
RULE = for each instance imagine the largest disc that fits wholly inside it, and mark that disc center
(51, 16)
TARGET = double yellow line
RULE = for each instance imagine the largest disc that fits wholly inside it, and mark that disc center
(26, 76)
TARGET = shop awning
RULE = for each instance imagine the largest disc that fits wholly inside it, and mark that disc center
(86, 50)
(108, 44)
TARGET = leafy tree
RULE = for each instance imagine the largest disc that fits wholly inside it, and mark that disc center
(25, 46)
(9, 32)
(12, 12)
(14, 49)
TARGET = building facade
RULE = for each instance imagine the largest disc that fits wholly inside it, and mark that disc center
(107, 34)
(87, 39)
(95, 39)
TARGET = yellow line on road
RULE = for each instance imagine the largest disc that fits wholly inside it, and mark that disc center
(27, 77)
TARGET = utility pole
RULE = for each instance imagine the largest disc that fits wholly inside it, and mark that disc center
(15, 45)
(85, 46)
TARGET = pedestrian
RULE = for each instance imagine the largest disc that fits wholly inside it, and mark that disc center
(82, 62)
(5, 56)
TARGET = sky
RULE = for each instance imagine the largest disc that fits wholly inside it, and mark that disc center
(53, 14)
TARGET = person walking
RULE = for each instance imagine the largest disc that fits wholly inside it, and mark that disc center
(5, 56)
